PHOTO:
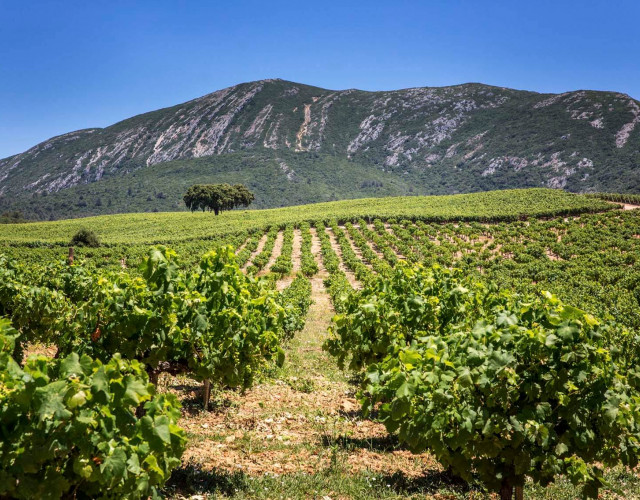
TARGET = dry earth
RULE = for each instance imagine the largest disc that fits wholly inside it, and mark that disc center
(257, 251)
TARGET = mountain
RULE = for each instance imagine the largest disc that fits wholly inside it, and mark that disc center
(292, 143)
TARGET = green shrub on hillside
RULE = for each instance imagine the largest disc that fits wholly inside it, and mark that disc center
(85, 238)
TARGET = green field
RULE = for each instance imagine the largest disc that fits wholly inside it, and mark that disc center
(171, 227)
(298, 431)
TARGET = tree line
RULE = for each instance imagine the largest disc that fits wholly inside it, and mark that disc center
(217, 197)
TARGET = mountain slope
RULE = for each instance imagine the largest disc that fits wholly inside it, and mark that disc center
(294, 143)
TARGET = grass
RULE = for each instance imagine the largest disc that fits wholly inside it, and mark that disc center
(367, 485)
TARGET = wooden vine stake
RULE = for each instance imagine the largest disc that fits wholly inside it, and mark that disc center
(206, 394)
(70, 255)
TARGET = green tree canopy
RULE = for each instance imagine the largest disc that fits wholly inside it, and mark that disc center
(217, 197)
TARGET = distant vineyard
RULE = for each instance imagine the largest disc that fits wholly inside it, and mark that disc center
(172, 227)
(617, 198)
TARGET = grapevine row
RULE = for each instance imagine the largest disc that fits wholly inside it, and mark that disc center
(506, 386)
(262, 259)
(308, 264)
(283, 264)
(349, 257)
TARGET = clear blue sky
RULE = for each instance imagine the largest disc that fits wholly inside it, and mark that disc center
(69, 64)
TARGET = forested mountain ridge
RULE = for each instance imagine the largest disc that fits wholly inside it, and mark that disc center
(292, 143)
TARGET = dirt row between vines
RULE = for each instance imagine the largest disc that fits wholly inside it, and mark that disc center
(302, 419)
(241, 247)
(389, 230)
(275, 253)
(356, 249)
(296, 254)
(256, 252)
(285, 281)
(629, 206)
(374, 248)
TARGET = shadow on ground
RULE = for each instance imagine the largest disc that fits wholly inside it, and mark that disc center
(191, 479)
(385, 443)
(432, 481)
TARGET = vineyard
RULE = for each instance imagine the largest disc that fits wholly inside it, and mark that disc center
(466, 346)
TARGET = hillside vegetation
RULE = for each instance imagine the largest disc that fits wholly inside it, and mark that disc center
(293, 144)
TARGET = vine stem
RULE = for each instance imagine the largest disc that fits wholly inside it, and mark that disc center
(206, 394)
(510, 492)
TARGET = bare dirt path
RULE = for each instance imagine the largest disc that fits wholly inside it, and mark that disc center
(622, 206)
(321, 311)
(316, 251)
(353, 281)
(259, 248)
(275, 253)
(629, 206)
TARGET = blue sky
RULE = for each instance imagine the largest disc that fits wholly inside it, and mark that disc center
(66, 65)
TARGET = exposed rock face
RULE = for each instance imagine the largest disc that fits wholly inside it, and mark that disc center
(493, 134)
(623, 134)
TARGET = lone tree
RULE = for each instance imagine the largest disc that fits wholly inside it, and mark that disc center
(85, 238)
(217, 197)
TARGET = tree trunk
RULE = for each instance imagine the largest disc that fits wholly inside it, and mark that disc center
(206, 394)
(216, 210)
(506, 490)
(519, 490)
